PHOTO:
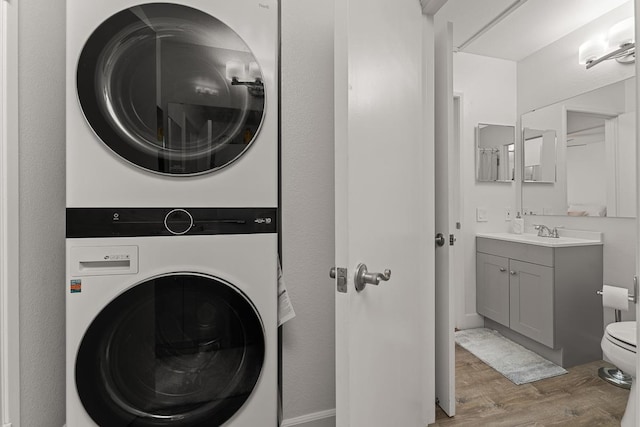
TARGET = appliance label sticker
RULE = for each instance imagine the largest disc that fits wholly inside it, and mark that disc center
(76, 286)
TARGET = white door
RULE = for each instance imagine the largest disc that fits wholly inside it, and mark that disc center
(384, 213)
(445, 195)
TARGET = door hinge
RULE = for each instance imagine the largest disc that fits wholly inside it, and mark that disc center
(341, 275)
(452, 239)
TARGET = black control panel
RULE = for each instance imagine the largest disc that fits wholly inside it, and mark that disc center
(140, 222)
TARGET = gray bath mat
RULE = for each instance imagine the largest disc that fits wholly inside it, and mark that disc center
(515, 362)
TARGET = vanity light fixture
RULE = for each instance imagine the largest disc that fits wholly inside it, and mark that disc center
(619, 45)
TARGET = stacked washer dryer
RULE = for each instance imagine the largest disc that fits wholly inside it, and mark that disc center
(172, 189)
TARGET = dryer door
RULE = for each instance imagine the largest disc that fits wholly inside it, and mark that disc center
(171, 89)
(177, 350)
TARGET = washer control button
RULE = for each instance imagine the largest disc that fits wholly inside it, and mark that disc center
(178, 221)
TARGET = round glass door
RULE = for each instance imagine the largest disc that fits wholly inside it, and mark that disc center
(176, 350)
(171, 89)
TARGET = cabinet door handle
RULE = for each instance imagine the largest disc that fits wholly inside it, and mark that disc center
(503, 269)
(513, 273)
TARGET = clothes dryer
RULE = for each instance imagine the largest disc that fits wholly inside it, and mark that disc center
(171, 317)
(172, 103)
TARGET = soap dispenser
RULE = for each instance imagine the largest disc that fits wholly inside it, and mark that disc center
(518, 224)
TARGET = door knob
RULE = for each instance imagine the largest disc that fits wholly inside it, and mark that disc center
(440, 240)
(364, 278)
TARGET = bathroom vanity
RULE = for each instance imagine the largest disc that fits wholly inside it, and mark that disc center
(541, 292)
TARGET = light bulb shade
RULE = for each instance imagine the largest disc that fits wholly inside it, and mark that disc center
(235, 69)
(622, 33)
(591, 50)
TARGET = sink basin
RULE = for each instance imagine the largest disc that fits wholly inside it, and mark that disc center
(585, 238)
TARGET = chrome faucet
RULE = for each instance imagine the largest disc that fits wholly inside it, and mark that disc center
(544, 231)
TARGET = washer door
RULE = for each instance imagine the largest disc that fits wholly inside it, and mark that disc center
(177, 350)
(171, 89)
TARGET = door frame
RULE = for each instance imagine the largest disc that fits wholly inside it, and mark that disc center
(9, 208)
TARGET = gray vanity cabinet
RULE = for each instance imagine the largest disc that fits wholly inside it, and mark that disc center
(531, 300)
(492, 295)
(542, 297)
(516, 294)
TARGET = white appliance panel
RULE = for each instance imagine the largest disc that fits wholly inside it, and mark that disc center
(97, 177)
(248, 262)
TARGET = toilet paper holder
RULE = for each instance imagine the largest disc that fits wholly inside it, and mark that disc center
(632, 298)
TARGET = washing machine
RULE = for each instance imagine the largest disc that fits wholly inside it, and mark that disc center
(171, 317)
(172, 103)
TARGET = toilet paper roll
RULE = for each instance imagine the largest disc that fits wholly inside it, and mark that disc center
(615, 297)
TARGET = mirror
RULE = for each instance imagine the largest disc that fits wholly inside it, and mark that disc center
(539, 155)
(595, 150)
(495, 153)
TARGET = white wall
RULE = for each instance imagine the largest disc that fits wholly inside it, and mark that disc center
(308, 206)
(42, 209)
(553, 74)
(488, 90)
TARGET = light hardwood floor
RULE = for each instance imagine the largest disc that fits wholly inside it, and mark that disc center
(486, 398)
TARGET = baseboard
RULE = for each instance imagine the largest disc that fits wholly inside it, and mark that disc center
(316, 419)
(471, 321)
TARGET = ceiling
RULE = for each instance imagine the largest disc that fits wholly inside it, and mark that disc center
(522, 27)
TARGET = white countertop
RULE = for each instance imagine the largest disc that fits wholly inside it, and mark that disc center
(567, 238)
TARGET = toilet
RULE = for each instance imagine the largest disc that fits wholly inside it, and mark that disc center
(619, 347)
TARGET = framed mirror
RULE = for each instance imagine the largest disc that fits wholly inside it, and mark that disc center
(595, 140)
(495, 153)
(539, 155)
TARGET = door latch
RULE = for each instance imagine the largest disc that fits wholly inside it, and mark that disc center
(341, 275)
(452, 239)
